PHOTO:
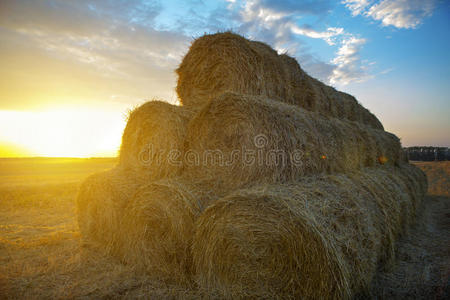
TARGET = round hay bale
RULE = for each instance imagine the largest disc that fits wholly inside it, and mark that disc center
(255, 241)
(101, 200)
(239, 139)
(147, 225)
(321, 237)
(152, 141)
(157, 228)
(223, 62)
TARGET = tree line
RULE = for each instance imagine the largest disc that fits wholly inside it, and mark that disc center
(427, 153)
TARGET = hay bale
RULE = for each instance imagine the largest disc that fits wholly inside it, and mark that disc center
(147, 225)
(220, 62)
(321, 237)
(157, 228)
(284, 141)
(153, 139)
(223, 62)
(101, 200)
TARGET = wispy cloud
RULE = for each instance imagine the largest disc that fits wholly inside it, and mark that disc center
(349, 67)
(386, 71)
(357, 6)
(281, 17)
(402, 13)
(304, 7)
(328, 36)
(397, 13)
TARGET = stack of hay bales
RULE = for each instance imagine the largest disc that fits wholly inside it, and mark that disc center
(264, 183)
(319, 237)
(228, 62)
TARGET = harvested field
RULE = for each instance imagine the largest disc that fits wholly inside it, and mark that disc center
(438, 175)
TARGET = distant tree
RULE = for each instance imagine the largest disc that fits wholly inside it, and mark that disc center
(427, 153)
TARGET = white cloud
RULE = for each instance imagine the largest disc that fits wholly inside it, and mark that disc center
(356, 6)
(402, 13)
(328, 36)
(282, 22)
(386, 71)
(254, 10)
(303, 7)
(349, 67)
(397, 13)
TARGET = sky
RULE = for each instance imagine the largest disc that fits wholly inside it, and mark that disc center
(71, 70)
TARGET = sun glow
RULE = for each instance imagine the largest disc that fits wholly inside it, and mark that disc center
(61, 133)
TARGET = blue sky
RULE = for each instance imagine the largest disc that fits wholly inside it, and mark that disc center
(393, 55)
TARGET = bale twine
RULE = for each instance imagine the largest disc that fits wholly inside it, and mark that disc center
(153, 139)
(319, 238)
(240, 139)
(223, 62)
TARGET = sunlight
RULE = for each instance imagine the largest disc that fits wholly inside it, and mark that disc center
(63, 132)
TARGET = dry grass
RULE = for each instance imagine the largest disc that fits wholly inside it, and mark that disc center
(223, 62)
(286, 142)
(422, 267)
(42, 255)
(39, 171)
(320, 237)
(438, 174)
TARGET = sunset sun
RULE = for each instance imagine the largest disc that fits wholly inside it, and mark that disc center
(62, 133)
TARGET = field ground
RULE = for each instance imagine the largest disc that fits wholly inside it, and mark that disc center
(438, 174)
(41, 255)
